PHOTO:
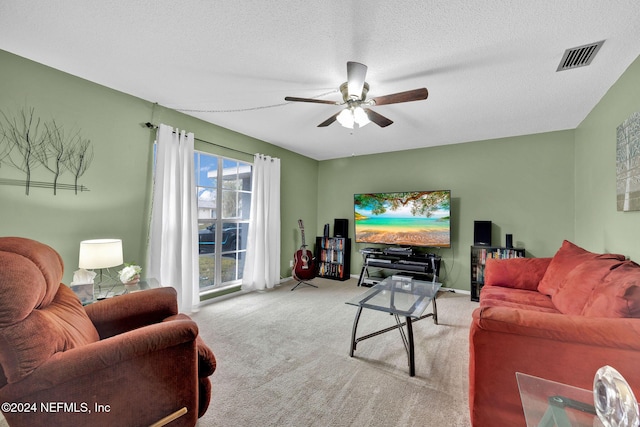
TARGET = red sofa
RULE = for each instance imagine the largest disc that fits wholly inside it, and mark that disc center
(559, 318)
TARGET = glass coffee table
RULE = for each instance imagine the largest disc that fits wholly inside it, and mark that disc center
(405, 297)
(548, 403)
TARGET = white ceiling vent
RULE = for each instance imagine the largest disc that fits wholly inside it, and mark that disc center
(580, 56)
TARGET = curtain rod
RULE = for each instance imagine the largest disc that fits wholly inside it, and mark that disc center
(152, 126)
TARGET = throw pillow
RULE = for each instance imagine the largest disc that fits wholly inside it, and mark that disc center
(518, 273)
(572, 295)
(566, 259)
(618, 295)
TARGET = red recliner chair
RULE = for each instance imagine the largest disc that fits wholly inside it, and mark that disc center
(132, 360)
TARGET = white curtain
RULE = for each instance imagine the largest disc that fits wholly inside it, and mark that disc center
(262, 263)
(173, 245)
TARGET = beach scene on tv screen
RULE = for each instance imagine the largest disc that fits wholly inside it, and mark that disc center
(420, 218)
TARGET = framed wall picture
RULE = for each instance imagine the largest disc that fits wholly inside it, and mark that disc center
(628, 164)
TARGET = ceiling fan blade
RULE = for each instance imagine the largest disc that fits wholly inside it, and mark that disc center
(356, 74)
(317, 101)
(378, 119)
(329, 120)
(396, 98)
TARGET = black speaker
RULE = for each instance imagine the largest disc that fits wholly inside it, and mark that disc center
(340, 227)
(326, 231)
(482, 233)
(509, 241)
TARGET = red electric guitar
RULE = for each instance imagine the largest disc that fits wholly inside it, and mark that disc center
(303, 262)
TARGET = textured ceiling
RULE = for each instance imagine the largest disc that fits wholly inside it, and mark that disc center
(489, 66)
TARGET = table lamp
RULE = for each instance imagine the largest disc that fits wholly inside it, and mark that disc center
(98, 254)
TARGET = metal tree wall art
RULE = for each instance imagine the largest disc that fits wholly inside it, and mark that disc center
(28, 144)
(628, 164)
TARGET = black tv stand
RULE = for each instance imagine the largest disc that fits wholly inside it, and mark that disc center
(419, 266)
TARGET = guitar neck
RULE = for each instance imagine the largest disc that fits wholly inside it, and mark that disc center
(301, 225)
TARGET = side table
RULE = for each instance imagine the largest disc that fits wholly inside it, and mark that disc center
(89, 294)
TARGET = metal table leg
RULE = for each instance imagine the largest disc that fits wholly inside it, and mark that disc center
(353, 331)
(407, 340)
(435, 309)
(407, 337)
(412, 362)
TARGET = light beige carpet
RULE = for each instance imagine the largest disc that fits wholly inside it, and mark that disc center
(283, 360)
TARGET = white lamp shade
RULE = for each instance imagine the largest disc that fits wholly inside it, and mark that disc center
(100, 253)
(360, 117)
(345, 118)
(350, 116)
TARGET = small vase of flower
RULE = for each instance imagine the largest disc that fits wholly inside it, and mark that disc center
(130, 277)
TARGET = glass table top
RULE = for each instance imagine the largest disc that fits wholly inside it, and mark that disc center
(405, 297)
(548, 403)
(90, 293)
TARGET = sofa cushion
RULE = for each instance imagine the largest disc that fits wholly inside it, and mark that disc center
(573, 294)
(497, 296)
(61, 326)
(38, 316)
(618, 295)
(566, 259)
(518, 273)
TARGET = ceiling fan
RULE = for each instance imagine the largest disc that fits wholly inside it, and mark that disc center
(354, 93)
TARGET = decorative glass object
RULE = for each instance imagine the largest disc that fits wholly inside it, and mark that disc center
(613, 398)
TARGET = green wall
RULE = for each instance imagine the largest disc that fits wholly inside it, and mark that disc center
(119, 178)
(541, 188)
(599, 226)
(524, 185)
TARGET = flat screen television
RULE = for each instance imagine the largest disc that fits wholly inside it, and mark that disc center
(411, 218)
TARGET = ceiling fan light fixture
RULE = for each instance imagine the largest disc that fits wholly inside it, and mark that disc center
(346, 119)
(354, 93)
(353, 115)
(360, 117)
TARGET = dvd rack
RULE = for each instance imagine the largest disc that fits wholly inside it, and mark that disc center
(479, 256)
(333, 256)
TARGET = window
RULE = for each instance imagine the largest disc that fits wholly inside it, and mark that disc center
(224, 199)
